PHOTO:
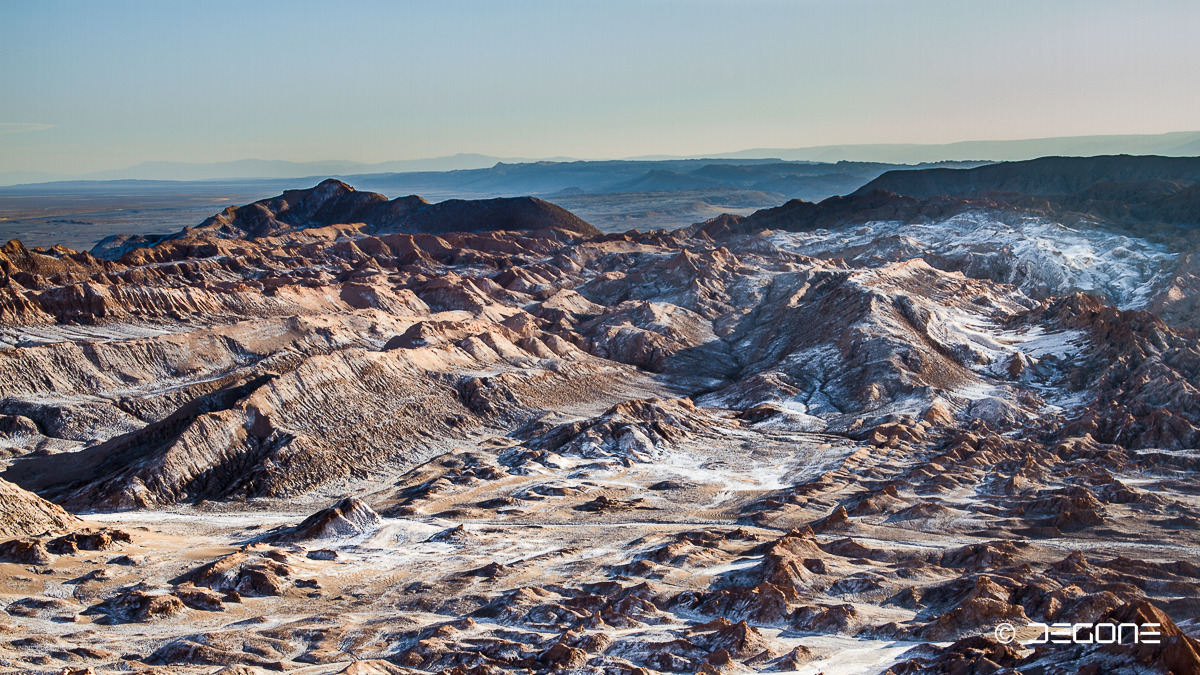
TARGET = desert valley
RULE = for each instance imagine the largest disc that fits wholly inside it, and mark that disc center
(330, 432)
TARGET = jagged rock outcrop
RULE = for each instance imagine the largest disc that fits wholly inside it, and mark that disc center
(248, 572)
(349, 517)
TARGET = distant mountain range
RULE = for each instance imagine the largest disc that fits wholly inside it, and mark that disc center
(264, 168)
(807, 180)
(1177, 144)
(611, 195)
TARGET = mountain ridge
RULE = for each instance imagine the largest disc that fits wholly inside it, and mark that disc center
(1042, 176)
(334, 203)
(1120, 189)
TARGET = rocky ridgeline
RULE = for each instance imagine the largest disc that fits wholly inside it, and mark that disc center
(574, 452)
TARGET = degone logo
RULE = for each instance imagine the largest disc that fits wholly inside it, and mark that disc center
(1079, 633)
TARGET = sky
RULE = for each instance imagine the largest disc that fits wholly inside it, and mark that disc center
(89, 86)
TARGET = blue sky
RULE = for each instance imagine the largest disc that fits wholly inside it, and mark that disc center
(89, 86)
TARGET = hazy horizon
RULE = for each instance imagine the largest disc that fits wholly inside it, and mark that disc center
(1171, 144)
(92, 87)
